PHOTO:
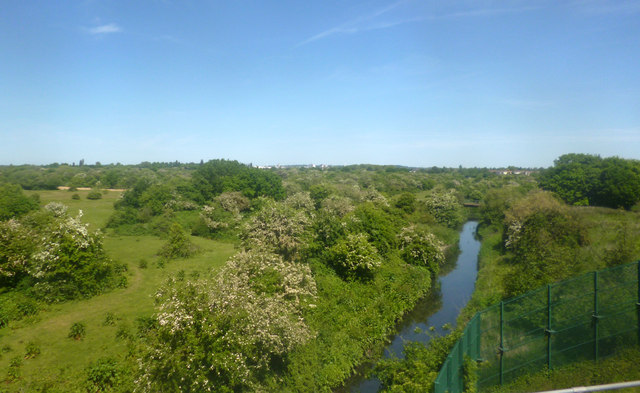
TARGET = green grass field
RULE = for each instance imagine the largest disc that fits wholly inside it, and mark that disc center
(62, 361)
(95, 212)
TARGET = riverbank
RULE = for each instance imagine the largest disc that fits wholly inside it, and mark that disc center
(434, 315)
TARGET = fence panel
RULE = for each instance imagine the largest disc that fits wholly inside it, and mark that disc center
(586, 317)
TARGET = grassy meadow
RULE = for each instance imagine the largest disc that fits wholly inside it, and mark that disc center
(62, 361)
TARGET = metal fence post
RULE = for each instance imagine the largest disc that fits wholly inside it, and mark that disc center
(596, 316)
(477, 334)
(549, 326)
(501, 342)
(638, 303)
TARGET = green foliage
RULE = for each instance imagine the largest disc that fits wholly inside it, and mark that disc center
(231, 335)
(178, 244)
(583, 179)
(470, 375)
(75, 197)
(13, 202)
(419, 368)
(95, 194)
(378, 224)
(155, 198)
(497, 202)
(32, 350)
(77, 331)
(278, 227)
(103, 375)
(66, 261)
(217, 176)
(15, 369)
(421, 248)
(319, 192)
(353, 320)
(354, 257)
(544, 237)
(214, 221)
(445, 208)
(109, 319)
(625, 247)
(406, 202)
(621, 367)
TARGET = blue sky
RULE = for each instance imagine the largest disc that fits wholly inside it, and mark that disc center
(418, 83)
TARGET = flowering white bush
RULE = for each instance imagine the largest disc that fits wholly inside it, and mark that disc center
(301, 201)
(57, 209)
(373, 195)
(16, 247)
(421, 248)
(338, 206)
(229, 333)
(211, 219)
(278, 228)
(445, 207)
(233, 202)
(355, 257)
(57, 253)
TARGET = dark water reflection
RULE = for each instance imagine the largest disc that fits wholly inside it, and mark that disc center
(442, 306)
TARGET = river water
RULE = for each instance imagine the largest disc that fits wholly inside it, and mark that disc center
(441, 307)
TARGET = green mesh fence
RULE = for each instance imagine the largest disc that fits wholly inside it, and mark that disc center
(586, 317)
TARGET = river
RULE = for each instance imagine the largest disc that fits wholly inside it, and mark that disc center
(439, 308)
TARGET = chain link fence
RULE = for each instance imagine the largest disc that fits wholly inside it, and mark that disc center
(587, 317)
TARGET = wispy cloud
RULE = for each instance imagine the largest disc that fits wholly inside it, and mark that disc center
(371, 21)
(603, 7)
(362, 23)
(105, 29)
(480, 12)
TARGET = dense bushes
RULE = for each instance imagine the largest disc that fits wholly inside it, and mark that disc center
(55, 257)
(278, 227)
(445, 208)
(178, 244)
(544, 237)
(582, 179)
(421, 248)
(418, 370)
(218, 176)
(232, 334)
(354, 257)
(13, 202)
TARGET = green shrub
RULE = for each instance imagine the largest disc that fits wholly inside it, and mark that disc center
(145, 324)
(178, 244)
(77, 331)
(421, 248)
(94, 195)
(13, 202)
(103, 375)
(235, 332)
(123, 332)
(4, 319)
(32, 350)
(15, 368)
(469, 375)
(109, 319)
(142, 264)
(355, 258)
(445, 208)
(66, 262)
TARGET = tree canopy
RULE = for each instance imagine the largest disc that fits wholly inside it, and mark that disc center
(584, 179)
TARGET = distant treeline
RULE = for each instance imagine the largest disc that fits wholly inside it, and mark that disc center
(584, 179)
(49, 177)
